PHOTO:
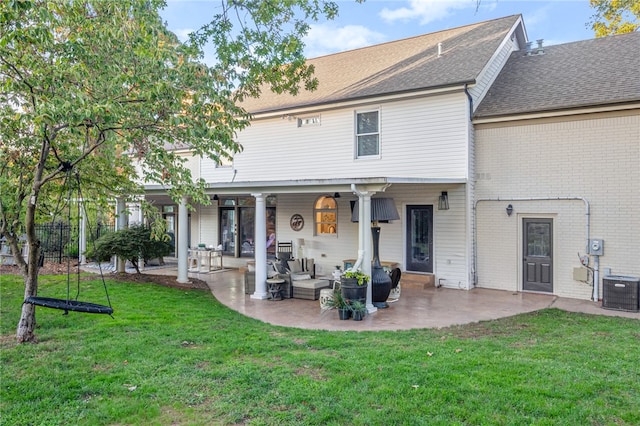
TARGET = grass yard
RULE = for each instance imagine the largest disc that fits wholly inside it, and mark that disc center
(176, 357)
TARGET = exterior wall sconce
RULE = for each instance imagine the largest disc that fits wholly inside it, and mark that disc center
(443, 201)
(336, 195)
(215, 197)
(509, 210)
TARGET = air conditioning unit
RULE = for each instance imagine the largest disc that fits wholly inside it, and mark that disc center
(621, 293)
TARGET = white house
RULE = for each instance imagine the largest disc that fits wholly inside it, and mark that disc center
(421, 121)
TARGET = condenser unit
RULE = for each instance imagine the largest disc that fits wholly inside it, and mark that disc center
(621, 293)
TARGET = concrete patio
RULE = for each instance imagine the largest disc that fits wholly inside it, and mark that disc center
(416, 308)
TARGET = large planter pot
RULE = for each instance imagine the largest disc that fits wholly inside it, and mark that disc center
(352, 291)
(358, 316)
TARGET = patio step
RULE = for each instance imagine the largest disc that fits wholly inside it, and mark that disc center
(417, 281)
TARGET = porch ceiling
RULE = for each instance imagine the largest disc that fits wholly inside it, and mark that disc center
(375, 184)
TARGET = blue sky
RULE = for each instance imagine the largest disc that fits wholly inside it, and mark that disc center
(373, 22)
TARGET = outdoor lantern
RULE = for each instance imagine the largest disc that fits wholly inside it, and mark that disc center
(509, 210)
(443, 201)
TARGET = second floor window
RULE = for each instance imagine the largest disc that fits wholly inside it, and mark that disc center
(367, 134)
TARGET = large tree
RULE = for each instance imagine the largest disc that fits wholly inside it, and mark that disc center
(615, 16)
(92, 87)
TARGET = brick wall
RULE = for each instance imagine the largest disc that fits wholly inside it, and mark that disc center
(595, 157)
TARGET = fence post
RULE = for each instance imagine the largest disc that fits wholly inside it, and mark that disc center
(60, 245)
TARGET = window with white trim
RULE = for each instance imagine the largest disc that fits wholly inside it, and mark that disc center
(367, 134)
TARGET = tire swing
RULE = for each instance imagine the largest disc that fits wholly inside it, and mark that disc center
(72, 304)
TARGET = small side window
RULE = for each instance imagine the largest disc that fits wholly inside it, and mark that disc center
(325, 216)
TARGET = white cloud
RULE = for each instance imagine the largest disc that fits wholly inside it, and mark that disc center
(426, 11)
(325, 39)
(183, 33)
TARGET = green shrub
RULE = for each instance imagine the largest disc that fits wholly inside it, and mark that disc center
(132, 244)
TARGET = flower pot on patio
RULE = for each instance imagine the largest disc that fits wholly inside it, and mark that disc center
(352, 291)
(344, 313)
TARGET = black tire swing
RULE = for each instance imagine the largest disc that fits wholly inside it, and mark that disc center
(70, 304)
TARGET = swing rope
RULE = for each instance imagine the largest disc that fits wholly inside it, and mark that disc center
(69, 304)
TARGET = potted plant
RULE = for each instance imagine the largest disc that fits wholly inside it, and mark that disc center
(355, 275)
(358, 310)
(353, 285)
(341, 304)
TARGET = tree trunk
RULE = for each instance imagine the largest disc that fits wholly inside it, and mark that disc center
(27, 323)
(30, 267)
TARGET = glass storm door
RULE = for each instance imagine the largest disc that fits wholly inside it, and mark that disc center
(228, 230)
(247, 225)
(419, 248)
(538, 251)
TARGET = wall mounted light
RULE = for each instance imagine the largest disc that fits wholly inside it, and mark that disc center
(336, 195)
(443, 201)
(215, 197)
(509, 210)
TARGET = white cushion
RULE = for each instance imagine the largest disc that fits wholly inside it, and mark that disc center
(311, 284)
(300, 277)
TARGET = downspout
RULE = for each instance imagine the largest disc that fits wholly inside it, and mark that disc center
(466, 91)
(588, 230)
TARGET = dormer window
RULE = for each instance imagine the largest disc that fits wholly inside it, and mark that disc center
(367, 134)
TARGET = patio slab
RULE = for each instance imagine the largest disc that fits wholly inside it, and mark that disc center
(416, 308)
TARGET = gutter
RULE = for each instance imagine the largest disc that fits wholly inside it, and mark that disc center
(466, 92)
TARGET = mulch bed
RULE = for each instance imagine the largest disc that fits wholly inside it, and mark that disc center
(51, 268)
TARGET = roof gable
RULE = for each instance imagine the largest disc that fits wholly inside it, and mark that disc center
(595, 72)
(396, 67)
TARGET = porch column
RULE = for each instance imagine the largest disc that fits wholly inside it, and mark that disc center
(121, 223)
(365, 237)
(183, 241)
(260, 247)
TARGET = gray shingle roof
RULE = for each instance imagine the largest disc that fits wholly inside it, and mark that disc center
(593, 72)
(396, 67)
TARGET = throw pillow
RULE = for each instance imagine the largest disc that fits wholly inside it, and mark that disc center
(294, 266)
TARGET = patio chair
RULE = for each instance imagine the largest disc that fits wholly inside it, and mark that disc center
(396, 273)
(284, 250)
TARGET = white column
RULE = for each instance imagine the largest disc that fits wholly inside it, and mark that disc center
(121, 223)
(183, 241)
(260, 247)
(365, 231)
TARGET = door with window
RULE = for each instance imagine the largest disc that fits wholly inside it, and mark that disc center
(419, 247)
(538, 255)
(237, 225)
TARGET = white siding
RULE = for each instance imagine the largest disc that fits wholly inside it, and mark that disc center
(491, 71)
(433, 130)
(451, 261)
(596, 157)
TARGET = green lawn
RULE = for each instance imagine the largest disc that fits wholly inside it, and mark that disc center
(175, 357)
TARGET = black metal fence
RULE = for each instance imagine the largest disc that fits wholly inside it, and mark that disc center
(60, 240)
